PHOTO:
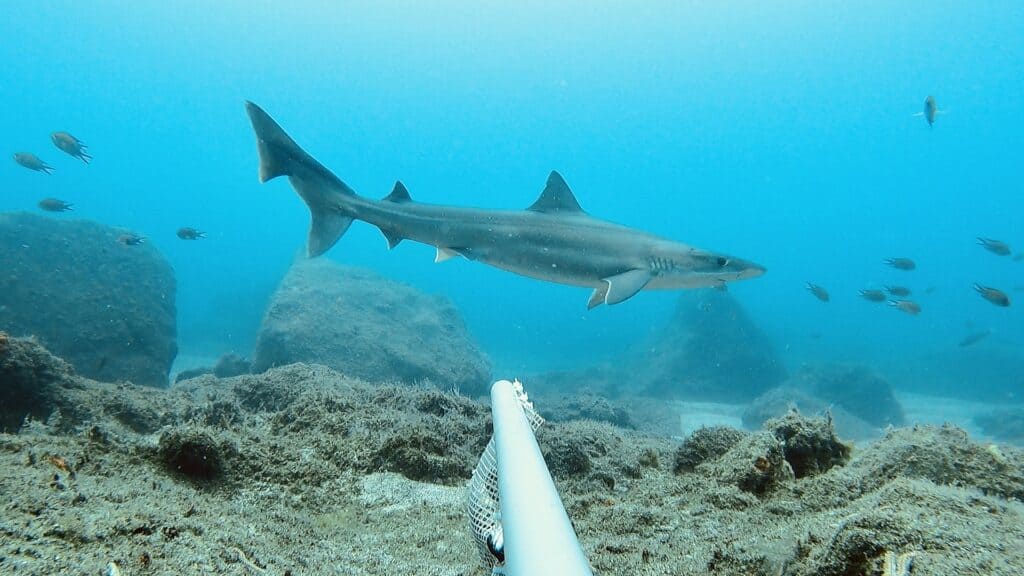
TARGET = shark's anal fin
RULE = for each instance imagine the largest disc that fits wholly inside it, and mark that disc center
(556, 198)
(622, 287)
(392, 238)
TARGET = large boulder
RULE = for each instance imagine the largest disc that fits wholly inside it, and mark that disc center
(710, 350)
(366, 326)
(104, 307)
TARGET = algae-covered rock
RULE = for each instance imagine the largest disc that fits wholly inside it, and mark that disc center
(30, 381)
(368, 327)
(104, 307)
(194, 453)
(705, 444)
(756, 464)
(809, 445)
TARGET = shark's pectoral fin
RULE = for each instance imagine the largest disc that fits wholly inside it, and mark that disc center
(622, 287)
(597, 296)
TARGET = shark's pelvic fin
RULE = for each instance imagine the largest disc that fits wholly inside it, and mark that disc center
(622, 287)
(556, 198)
(398, 194)
(318, 186)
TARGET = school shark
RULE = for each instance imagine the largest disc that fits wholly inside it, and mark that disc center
(552, 240)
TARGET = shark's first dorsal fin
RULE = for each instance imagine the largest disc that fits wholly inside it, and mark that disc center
(556, 198)
(398, 194)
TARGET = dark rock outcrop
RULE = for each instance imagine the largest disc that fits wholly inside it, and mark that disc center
(369, 327)
(30, 382)
(709, 350)
(106, 308)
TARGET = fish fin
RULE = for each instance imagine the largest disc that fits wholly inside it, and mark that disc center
(623, 286)
(444, 255)
(556, 198)
(393, 239)
(597, 296)
(398, 194)
(324, 230)
(319, 187)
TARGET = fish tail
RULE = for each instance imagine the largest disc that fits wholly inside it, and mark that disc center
(324, 193)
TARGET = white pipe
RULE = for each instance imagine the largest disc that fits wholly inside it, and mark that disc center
(539, 539)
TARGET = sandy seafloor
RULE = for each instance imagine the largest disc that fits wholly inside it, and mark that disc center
(302, 470)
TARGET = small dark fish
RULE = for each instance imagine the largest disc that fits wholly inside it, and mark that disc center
(873, 295)
(32, 162)
(930, 290)
(187, 233)
(900, 291)
(71, 145)
(907, 306)
(54, 205)
(819, 292)
(974, 337)
(131, 239)
(931, 110)
(995, 246)
(993, 295)
(901, 263)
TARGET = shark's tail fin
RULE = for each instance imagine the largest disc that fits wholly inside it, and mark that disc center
(322, 191)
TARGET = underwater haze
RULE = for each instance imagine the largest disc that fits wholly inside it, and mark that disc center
(779, 132)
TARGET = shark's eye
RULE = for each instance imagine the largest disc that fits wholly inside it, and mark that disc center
(722, 262)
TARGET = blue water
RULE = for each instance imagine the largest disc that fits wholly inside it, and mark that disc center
(783, 133)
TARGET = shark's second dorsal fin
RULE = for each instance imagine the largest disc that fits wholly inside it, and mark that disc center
(556, 198)
(398, 194)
